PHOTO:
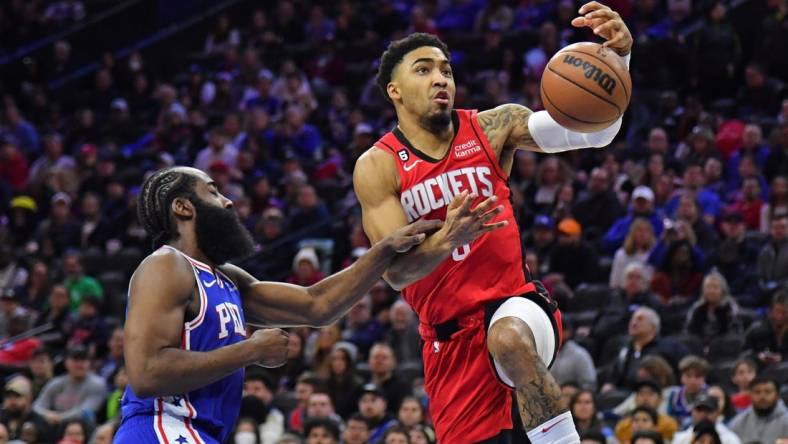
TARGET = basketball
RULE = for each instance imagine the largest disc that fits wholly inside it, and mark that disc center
(586, 87)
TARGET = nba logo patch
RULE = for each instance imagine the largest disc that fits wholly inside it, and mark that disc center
(403, 155)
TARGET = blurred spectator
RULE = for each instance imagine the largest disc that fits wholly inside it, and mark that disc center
(767, 419)
(736, 258)
(748, 201)
(321, 431)
(598, 208)
(742, 374)
(679, 274)
(373, 407)
(644, 329)
(103, 434)
(573, 363)
(343, 382)
(59, 316)
(60, 231)
(647, 437)
(636, 249)
(218, 150)
(272, 424)
(317, 352)
(10, 308)
(114, 359)
(118, 381)
(79, 285)
(759, 96)
(223, 37)
(693, 371)
(306, 268)
(767, 340)
(542, 241)
(773, 258)
(361, 328)
(34, 292)
(74, 432)
(573, 257)
(777, 205)
(309, 212)
(320, 406)
(42, 369)
(356, 430)
(14, 168)
(585, 414)
(17, 410)
(403, 336)
(648, 394)
(382, 364)
(715, 314)
(689, 213)
(725, 410)
(17, 351)
(53, 158)
(305, 386)
(76, 395)
(705, 409)
(635, 293)
(642, 206)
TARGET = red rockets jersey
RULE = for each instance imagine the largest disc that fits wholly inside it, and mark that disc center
(491, 267)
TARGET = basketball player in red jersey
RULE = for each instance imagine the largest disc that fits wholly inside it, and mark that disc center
(486, 329)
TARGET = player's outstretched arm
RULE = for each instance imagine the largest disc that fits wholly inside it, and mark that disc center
(513, 126)
(375, 185)
(159, 293)
(281, 304)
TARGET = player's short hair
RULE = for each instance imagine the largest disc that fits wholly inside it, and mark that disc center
(156, 195)
(695, 363)
(396, 52)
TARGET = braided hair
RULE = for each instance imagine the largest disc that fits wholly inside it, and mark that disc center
(153, 205)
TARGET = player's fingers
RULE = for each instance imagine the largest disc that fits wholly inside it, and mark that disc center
(409, 242)
(484, 206)
(604, 14)
(424, 226)
(607, 28)
(591, 6)
(491, 214)
(458, 200)
(466, 204)
(618, 39)
(579, 22)
(486, 228)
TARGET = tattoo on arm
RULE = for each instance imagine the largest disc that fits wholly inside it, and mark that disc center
(506, 126)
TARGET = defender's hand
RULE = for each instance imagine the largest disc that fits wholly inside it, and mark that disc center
(411, 235)
(464, 224)
(270, 346)
(607, 24)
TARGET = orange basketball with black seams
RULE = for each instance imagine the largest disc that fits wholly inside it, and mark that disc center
(586, 87)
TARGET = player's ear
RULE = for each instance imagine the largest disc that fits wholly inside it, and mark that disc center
(182, 207)
(393, 91)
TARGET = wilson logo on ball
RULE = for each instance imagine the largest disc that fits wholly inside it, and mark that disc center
(593, 72)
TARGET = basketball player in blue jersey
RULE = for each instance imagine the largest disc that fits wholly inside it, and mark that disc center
(186, 343)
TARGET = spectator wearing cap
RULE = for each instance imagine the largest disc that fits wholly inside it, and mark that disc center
(637, 246)
(573, 363)
(648, 394)
(767, 340)
(715, 314)
(573, 257)
(693, 371)
(60, 231)
(306, 268)
(541, 240)
(73, 396)
(645, 340)
(777, 203)
(373, 408)
(260, 385)
(17, 410)
(736, 257)
(767, 419)
(598, 208)
(22, 218)
(343, 382)
(773, 258)
(382, 366)
(642, 205)
(78, 284)
(218, 149)
(705, 410)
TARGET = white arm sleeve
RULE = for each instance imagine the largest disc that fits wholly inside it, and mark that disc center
(554, 138)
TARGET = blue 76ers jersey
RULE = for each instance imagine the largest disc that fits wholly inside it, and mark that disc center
(213, 409)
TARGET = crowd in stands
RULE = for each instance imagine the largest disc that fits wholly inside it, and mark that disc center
(667, 251)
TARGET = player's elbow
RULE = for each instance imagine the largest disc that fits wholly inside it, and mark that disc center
(143, 382)
(396, 279)
(320, 314)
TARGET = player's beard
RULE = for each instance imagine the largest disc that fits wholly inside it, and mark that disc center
(220, 234)
(437, 122)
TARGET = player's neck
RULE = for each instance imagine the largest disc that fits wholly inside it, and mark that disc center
(188, 246)
(432, 143)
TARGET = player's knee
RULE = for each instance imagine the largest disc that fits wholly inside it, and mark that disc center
(510, 338)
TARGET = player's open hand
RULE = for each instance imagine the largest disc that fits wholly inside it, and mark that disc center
(270, 346)
(411, 235)
(607, 24)
(464, 224)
